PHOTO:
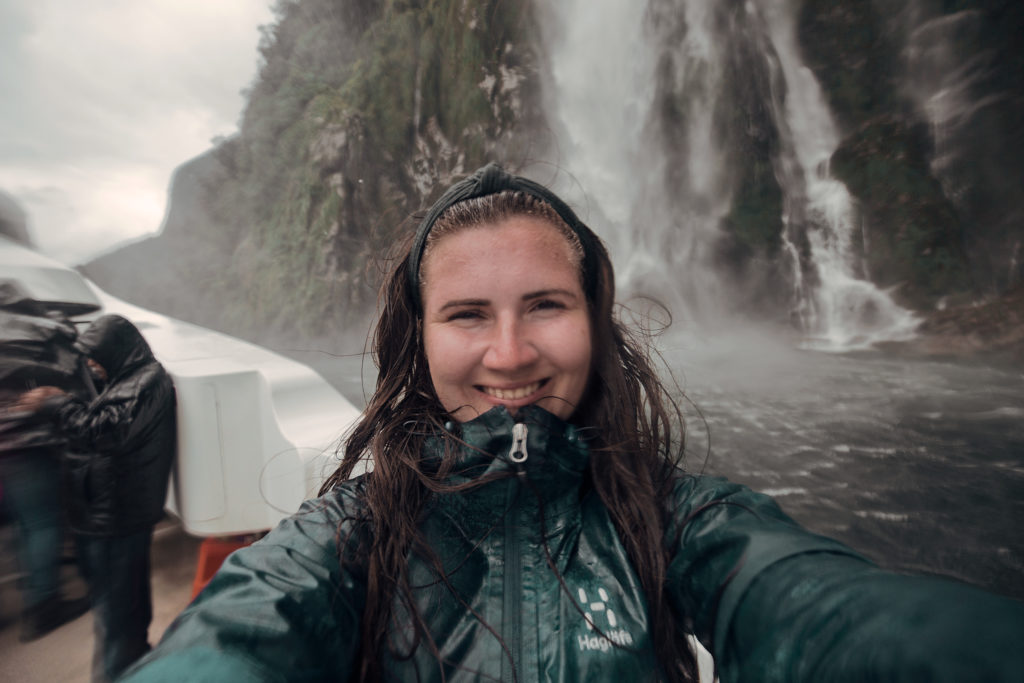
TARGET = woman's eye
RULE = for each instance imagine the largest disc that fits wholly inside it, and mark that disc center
(548, 304)
(469, 314)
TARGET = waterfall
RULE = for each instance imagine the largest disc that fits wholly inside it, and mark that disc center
(636, 97)
(603, 75)
(845, 310)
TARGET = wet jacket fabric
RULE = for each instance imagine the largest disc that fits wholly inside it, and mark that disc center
(122, 443)
(36, 349)
(772, 601)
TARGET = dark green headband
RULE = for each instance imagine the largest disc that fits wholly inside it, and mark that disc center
(492, 179)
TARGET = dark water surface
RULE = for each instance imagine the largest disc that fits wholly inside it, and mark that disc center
(918, 464)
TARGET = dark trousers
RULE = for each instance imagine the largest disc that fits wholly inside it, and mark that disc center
(117, 571)
(31, 489)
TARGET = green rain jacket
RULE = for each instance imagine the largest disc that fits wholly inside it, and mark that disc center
(771, 601)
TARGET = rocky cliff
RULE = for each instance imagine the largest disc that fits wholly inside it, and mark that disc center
(364, 111)
(361, 114)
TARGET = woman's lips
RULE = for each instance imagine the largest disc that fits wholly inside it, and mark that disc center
(512, 394)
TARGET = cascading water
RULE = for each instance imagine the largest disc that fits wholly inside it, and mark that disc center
(658, 189)
(844, 311)
(604, 96)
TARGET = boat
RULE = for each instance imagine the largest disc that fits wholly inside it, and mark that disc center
(257, 432)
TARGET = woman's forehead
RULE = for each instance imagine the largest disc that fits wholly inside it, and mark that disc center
(500, 261)
(497, 239)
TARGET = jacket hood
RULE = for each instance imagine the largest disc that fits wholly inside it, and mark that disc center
(116, 344)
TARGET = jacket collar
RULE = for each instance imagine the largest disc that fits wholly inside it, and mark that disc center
(488, 438)
(557, 454)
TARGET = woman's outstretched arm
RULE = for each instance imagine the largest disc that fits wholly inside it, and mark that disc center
(774, 602)
(282, 609)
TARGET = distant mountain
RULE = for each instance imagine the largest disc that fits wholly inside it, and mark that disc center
(13, 220)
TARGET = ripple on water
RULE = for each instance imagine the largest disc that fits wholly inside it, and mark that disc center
(884, 516)
(786, 491)
(1011, 412)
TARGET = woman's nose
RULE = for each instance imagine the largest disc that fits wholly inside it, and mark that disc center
(509, 347)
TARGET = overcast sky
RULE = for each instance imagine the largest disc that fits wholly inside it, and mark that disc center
(100, 100)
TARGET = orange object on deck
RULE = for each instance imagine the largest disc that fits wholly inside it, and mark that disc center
(212, 553)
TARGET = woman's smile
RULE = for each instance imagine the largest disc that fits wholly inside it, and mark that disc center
(505, 320)
(512, 394)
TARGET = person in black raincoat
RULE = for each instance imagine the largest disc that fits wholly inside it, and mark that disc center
(36, 348)
(121, 447)
(526, 517)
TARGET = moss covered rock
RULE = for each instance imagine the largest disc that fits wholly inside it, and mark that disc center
(855, 59)
(913, 237)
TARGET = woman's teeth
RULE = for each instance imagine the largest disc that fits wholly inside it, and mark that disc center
(512, 394)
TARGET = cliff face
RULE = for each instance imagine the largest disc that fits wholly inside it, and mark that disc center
(364, 111)
(930, 94)
(361, 114)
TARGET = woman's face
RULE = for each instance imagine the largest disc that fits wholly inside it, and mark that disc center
(505, 320)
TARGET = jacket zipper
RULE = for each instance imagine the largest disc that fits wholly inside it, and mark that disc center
(512, 610)
(517, 453)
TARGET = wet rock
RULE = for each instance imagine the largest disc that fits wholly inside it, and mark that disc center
(993, 330)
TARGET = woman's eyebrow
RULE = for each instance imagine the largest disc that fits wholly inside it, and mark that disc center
(455, 303)
(549, 292)
(529, 296)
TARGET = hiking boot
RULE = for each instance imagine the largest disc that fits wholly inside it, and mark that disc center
(50, 614)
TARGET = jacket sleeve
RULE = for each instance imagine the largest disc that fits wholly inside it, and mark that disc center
(118, 417)
(282, 609)
(774, 602)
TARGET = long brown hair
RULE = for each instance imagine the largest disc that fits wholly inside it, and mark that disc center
(637, 443)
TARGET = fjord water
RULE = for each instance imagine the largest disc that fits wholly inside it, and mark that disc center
(917, 463)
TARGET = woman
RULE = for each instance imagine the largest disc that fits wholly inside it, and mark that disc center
(525, 518)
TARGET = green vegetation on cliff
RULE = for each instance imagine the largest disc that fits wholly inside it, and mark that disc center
(361, 111)
(912, 234)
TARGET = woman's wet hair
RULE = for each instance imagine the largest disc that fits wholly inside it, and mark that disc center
(633, 426)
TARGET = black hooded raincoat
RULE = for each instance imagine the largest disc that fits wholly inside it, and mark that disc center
(122, 443)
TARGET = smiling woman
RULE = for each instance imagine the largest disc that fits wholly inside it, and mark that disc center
(526, 517)
(512, 336)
